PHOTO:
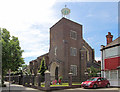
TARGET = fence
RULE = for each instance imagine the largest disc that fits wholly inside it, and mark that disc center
(26, 80)
(16, 79)
(35, 81)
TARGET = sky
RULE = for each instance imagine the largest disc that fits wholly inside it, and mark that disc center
(30, 20)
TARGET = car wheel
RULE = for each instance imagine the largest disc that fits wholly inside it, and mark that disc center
(108, 85)
(94, 86)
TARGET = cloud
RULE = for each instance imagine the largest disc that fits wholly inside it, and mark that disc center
(90, 39)
(90, 15)
(36, 52)
(97, 58)
(30, 21)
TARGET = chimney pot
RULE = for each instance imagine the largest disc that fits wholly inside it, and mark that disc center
(109, 38)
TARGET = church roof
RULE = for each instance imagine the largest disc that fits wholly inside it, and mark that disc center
(43, 55)
(94, 64)
(39, 57)
(68, 20)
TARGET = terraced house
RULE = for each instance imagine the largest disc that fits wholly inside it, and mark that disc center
(110, 64)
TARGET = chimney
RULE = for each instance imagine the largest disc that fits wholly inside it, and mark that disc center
(109, 38)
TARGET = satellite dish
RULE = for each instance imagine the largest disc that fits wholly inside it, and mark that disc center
(65, 11)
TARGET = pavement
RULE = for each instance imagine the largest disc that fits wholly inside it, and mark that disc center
(20, 88)
(17, 88)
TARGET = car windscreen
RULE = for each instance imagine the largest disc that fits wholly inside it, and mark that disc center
(92, 79)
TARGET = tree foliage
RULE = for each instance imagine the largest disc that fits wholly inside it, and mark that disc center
(93, 72)
(11, 52)
(43, 67)
(25, 69)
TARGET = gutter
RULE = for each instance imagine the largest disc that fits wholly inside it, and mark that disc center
(110, 47)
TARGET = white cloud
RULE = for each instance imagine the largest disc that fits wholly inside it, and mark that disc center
(30, 21)
(36, 52)
(90, 15)
(98, 58)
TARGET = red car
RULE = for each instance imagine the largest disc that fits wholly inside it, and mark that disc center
(95, 82)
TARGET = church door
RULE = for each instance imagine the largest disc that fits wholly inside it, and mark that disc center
(56, 73)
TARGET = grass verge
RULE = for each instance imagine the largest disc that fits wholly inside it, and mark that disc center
(63, 84)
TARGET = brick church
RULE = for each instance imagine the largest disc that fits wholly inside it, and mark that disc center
(68, 52)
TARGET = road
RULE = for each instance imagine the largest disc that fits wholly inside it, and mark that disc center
(91, 90)
(20, 88)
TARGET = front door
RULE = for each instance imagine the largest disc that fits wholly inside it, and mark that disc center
(56, 73)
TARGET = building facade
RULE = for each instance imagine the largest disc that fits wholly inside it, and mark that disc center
(110, 64)
(35, 64)
(68, 52)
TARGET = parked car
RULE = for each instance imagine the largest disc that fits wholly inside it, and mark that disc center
(96, 82)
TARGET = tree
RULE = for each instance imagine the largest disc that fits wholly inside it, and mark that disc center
(43, 67)
(11, 52)
(25, 69)
(93, 72)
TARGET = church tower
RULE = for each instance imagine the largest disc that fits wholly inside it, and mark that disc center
(69, 52)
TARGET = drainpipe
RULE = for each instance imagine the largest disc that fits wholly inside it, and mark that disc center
(102, 61)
